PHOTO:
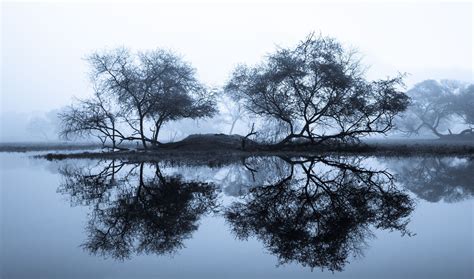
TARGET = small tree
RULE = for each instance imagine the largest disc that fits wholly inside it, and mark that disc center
(317, 90)
(147, 89)
(157, 86)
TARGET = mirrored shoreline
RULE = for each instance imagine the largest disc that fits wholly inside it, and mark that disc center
(317, 211)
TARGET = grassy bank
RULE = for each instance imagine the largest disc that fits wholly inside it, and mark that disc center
(217, 156)
(219, 148)
(46, 146)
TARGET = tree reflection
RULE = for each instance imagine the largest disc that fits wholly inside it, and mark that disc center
(316, 211)
(137, 213)
(321, 211)
(438, 178)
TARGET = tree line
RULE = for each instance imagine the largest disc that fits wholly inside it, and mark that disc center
(312, 93)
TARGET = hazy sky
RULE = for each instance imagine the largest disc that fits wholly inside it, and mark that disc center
(43, 44)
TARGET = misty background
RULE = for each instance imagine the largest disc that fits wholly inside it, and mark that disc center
(43, 46)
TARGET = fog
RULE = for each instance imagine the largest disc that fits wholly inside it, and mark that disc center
(44, 44)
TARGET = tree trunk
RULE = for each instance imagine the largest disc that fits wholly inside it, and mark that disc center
(113, 136)
(232, 126)
(433, 129)
(157, 131)
(142, 134)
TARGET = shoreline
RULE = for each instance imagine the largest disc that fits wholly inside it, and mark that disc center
(223, 155)
(390, 148)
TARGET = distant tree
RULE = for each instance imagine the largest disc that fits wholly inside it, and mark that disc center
(435, 106)
(148, 89)
(318, 92)
(463, 106)
(44, 126)
(232, 111)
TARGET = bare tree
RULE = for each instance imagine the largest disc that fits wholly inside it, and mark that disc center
(435, 106)
(463, 106)
(317, 90)
(232, 111)
(45, 126)
(156, 86)
(175, 93)
(91, 117)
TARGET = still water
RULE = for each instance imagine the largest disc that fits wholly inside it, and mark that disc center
(262, 217)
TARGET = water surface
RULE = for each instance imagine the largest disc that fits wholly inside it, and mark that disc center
(262, 217)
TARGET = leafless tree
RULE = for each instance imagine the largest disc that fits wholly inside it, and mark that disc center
(91, 117)
(155, 86)
(45, 126)
(317, 90)
(434, 107)
(232, 111)
(463, 106)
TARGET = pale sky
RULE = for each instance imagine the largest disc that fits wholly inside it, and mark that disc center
(43, 44)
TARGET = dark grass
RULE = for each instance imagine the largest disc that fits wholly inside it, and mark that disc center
(50, 146)
(214, 153)
(45, 146)
(224, 156)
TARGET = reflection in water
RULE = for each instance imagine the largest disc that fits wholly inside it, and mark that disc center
(320, 212)
(136, 213)
(433, 178)
(315, 211)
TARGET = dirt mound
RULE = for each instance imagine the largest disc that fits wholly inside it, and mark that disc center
(213, 142)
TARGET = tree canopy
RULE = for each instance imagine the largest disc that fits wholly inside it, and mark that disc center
(146, 89)
(317, 91)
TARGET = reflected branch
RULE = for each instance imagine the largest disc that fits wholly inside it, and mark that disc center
(322, 212)
(138, 213)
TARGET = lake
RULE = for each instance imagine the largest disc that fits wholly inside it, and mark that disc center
(260, 217)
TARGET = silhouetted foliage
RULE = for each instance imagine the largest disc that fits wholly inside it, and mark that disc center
(147, 88)
(136, 213)
(436, 105)
(318, 92)
(321, 211)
